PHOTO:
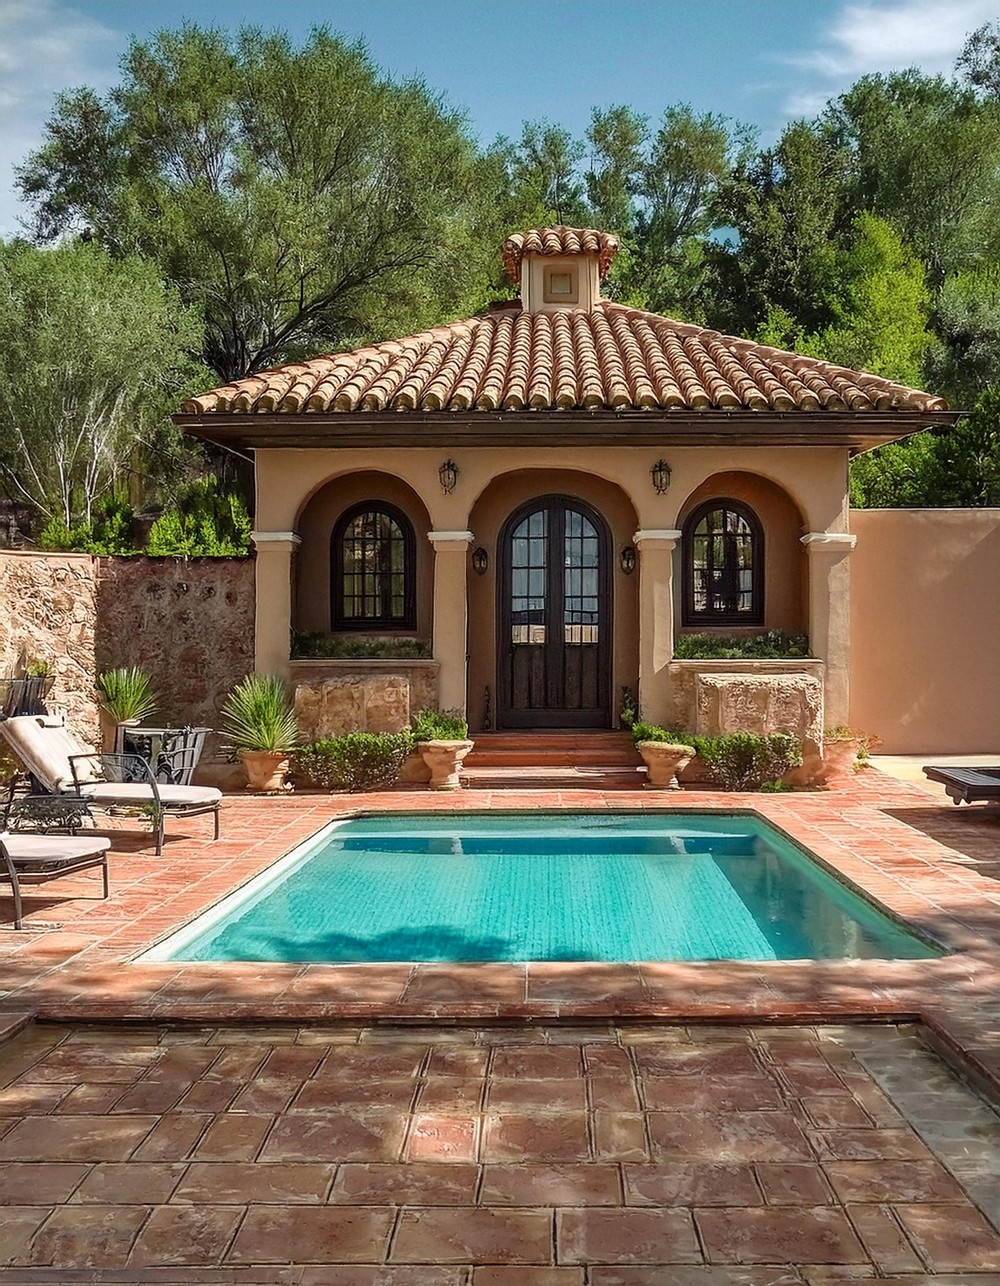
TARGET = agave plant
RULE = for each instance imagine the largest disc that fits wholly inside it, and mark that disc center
(127, 694)
(259, 716)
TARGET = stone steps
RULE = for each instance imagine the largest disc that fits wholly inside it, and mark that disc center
(553, 760)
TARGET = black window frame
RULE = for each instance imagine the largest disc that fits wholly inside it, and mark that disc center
(692, 616)
(338, 619)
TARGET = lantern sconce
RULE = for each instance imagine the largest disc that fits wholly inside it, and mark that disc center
(448, 475)
(660, 473)
(627, 559)
(480, 561)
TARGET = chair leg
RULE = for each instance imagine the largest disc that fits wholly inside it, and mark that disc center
(16, 890)
(159, 826)
(217, 820)
(104, 872)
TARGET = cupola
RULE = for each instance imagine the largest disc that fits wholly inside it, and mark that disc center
(559, 268)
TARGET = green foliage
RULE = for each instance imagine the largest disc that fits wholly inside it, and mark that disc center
(629, 713)
(92, 348)
(746, 760)
(127, 693)
(37, 667)
(359, 647)
(257, 715)
(771, 645)
(356, 761)
(295, 195)
(443, 725)
(108, 533)
(204, 524)
(642, 731)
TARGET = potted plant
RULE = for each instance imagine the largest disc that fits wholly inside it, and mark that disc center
(261, 727)
(664, 753)
(842, 749)
(443, 741)
(127, 697)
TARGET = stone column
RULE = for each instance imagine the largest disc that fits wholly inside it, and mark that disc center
(451, 549)
(830, 617)
(656, 621)
(273, 619)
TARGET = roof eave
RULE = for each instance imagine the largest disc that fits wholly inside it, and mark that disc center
(856, 430)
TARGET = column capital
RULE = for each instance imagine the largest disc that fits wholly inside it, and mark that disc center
(829, 542)
(656, 538)
(279, 541)
(456, 540)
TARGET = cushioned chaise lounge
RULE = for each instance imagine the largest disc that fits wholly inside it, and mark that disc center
(61, 766)
(967, 785)
(35, 859)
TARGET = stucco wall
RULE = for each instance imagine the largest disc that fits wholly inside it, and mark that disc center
(48, 612)
(925, 626)
(189, 623)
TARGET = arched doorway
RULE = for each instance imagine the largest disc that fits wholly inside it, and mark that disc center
(554, 616)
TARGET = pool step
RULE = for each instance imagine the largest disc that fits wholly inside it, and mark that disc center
(553, 761)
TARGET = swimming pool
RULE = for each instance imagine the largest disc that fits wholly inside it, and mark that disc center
(544, 886)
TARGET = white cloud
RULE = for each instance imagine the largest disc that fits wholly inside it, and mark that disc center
(45, 46)
(882, 37)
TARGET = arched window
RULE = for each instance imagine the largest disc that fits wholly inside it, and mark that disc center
(723, 550)
(372, 562)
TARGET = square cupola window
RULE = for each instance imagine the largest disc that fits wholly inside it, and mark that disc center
(562, 285)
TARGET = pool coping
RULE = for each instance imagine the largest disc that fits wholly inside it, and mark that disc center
(86, 971)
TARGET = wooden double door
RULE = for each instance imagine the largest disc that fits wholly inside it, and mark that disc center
(554, 617)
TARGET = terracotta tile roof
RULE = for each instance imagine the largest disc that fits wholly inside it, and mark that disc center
(611, 358)
(558, 241)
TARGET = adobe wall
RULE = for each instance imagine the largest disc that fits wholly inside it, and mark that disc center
(925, 627)
(48, 612)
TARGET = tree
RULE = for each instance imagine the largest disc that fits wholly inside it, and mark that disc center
(967, 318)
(546, 167)
(92, 353)
(979, 61)
(295, 195)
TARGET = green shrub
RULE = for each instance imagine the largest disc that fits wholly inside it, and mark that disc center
(746, 760)
(204, 524)
(629, 713)
(642, 731)
(356, 761)
(308, 645)
(443, 725)
(773, 645)
(108, 532)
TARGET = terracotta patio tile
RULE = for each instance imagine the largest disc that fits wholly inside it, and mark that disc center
(196, 1235)
(493, 1275)
(344, 1063)
(25, 1098)
(883, 1239)
(696, 1060)
(87, 1236)
(516, 1137)
(703, 1275)
(550, 1095)
(473, 1236)
(452, 1095)
(537, 1062)
(680, 1183)
(437, 1137)
(828, 1112)
(209, 1096)
(868, 1145)
(463, 1061)
(723, 1093)
(242, 1183)
(772, 1235)
(414, 1184)
(24, 1183)
(550, 1185)
(311, 1235)
(608, 1061)
(90, 1100)
(149, 1096)
(615, 1093)
(381, 1275)
(20, 1224)
(233, 1137)
(895, 1181)
(951, 1238)
(130, 1183)
(619, 1136)
(473, 981)
(623, 1236)
(727, 1136)
(74, 1138)
(793, 1184)
(369, 1136)
(173, 1138)
(322, 1095)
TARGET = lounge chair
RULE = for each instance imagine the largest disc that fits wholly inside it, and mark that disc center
(35, 859)
(967, 785)
(59, 765)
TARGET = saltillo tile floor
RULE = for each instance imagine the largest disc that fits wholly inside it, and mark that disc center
(551, 1106)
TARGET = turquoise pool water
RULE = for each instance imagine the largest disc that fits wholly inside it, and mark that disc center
(544, 886)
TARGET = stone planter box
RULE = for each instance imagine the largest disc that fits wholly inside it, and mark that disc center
(337, 696)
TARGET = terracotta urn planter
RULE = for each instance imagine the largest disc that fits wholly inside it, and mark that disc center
(664, 760)
(839, 757)
(266, 769)
(444, 759)
(110, 731)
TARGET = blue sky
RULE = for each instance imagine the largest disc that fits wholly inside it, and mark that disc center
(760, 61)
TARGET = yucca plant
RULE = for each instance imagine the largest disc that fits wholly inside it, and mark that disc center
(259, 716)
(127, 694)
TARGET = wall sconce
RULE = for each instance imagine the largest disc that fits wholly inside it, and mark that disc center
(660, 473)
(627, 559)
(448, 475)
(480, 561)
